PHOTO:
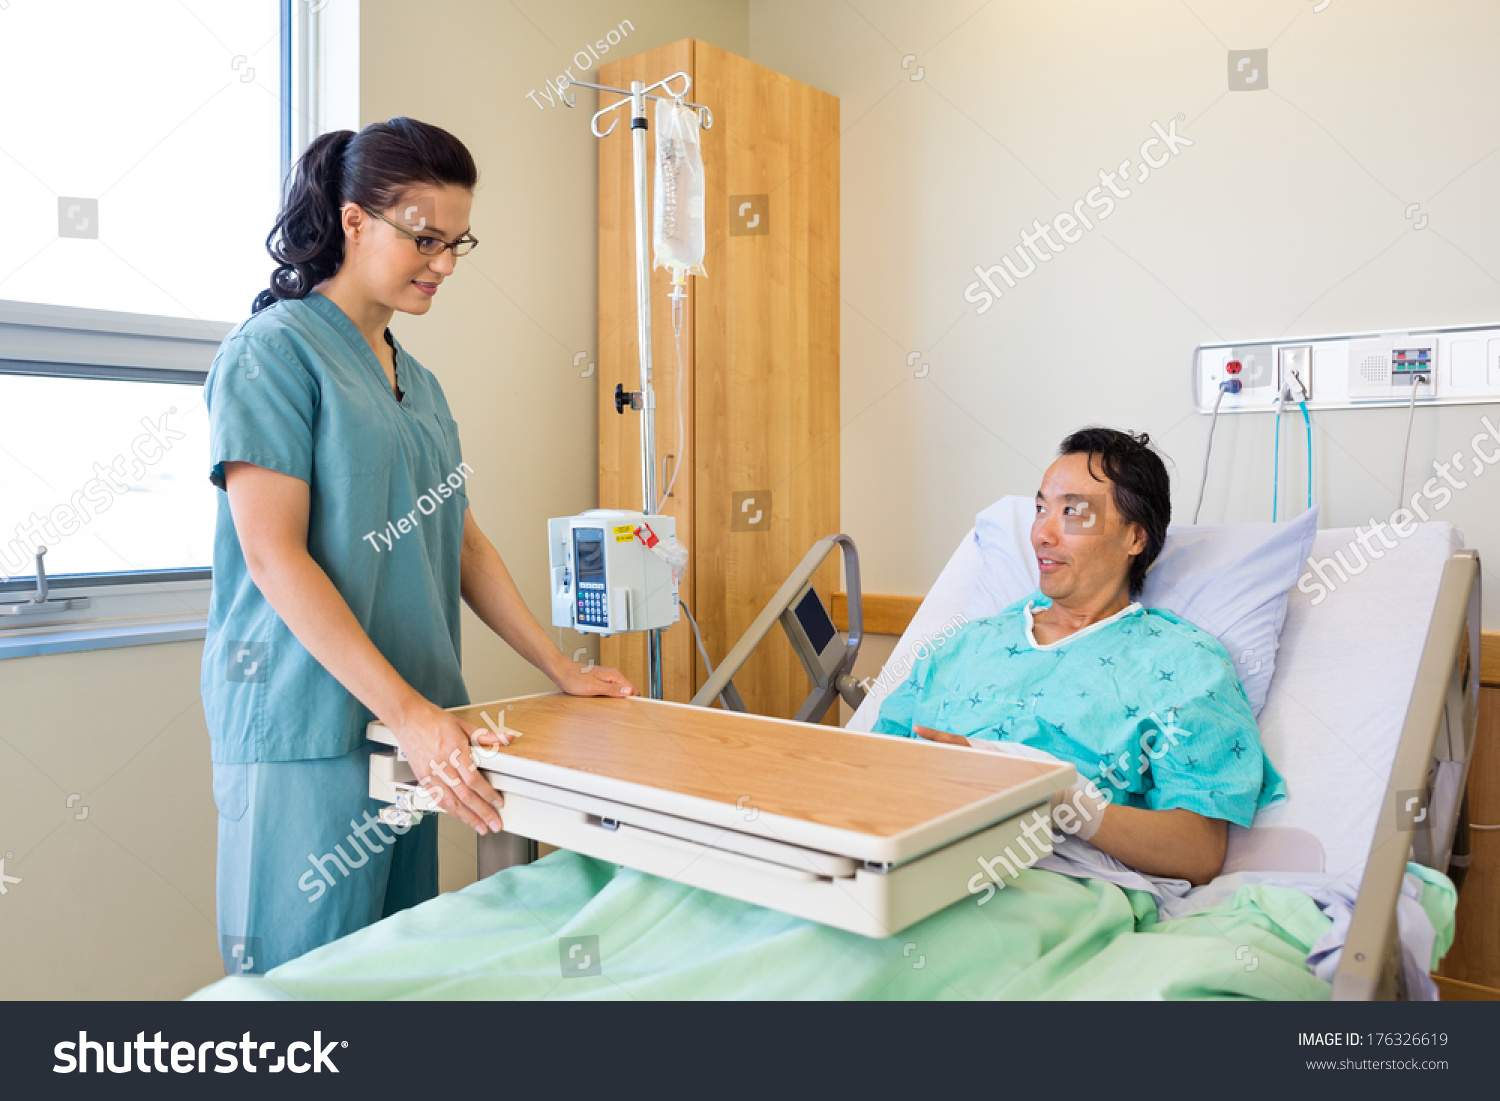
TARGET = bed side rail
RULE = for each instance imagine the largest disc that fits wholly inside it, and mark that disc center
(828, 684)
(1439, 724)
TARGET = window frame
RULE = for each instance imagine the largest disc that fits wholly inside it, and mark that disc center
(138, 607)
(129, 606)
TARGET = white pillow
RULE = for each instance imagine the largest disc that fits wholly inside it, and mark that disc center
(1232, 580)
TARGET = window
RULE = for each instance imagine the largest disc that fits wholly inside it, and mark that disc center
(135, 498)
(141, 179)
(143, 173)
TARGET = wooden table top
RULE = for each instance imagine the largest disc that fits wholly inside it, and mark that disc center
(870, 785)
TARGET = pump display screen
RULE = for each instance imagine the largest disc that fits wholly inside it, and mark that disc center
(588, 554)
(588, 560)
(814, 619)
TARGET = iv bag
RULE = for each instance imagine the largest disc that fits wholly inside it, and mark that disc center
(678, 230)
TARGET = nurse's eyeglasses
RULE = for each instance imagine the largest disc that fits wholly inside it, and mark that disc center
(430, 246)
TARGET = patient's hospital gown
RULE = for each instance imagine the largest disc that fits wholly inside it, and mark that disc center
(1143, 703)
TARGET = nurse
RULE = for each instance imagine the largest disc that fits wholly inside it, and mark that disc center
(344, 543)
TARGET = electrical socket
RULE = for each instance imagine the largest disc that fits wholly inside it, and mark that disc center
(1294, 372)
(1259, 367)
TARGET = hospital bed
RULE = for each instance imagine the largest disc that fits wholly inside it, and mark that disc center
(1370, 718)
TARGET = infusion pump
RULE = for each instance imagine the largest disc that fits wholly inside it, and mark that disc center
(606, 576)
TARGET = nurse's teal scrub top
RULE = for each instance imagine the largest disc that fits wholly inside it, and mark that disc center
(296, 388)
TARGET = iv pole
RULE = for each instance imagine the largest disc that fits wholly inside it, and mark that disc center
(645, 399)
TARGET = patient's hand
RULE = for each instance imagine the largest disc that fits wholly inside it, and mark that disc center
(938, 735)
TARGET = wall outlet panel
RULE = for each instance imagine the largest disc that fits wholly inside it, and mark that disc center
(1450, 366)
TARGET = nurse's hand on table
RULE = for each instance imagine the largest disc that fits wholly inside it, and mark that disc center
(939, 735)
(436, 744)
(594, 680)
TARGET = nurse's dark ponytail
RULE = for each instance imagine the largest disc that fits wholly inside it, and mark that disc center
(371, 168)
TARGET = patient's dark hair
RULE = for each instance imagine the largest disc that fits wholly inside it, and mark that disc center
(372, 168)
(1142, 488)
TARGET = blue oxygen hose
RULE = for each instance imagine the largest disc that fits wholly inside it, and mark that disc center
(1276, 462)
(1307, 420)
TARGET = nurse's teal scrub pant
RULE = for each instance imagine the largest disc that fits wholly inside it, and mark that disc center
(303, 859)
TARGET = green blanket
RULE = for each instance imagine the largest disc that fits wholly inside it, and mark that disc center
(1050, 936)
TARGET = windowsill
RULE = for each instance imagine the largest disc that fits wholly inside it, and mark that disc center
(67, 639)
(118, 615)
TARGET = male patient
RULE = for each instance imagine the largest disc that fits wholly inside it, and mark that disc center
(1145, 705)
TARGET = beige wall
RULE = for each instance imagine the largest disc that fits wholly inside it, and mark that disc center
(120, 903)
(1285, 217)
(504, 333)
(117, 903)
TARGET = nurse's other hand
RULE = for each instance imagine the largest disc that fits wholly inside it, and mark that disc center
(595, 680)
(436, 743)
(939, 735)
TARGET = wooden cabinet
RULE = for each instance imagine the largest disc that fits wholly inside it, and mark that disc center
(760, 352)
